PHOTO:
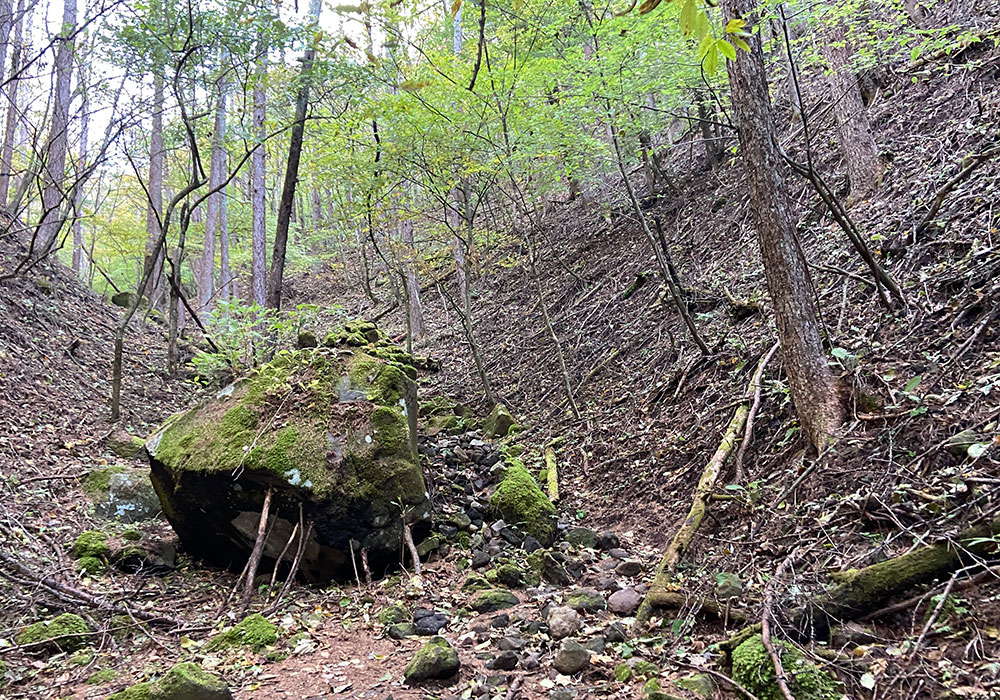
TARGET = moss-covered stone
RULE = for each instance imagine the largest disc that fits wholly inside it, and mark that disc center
(3, 673)
(123, 445)
(493, 600)
(105, 675)
(253, 632)
(519, 500)
(701, 684)
(124, 494)
(139, 691)
(510, 575)
(91, 543)
(500, 423)
(623, 673)
(475, 582)
(752, 668)
(397, 612)
(435, 660)
(187, 681)
(67, 632)
(91, 565)
(331, 430)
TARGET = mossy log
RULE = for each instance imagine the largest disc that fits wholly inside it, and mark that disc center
(659, 593)
(552, 474)
(861, 591)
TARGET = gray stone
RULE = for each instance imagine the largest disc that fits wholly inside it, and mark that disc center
(586, 599)
(615, 633)
(493, 600)
(505, 661)
(563, 622)
(512, 644)
(123, 494)
(624, 602)
(402, 630)
(629, 568)
(571, 658)
(581, 537)
(608, 540)
(430, 625)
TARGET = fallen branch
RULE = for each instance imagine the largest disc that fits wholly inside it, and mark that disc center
(970, 164)
(411, 548)
(755, 385)
(765, 625)
(699, 505)
(552, 474)
(75, 595)
(255, 554)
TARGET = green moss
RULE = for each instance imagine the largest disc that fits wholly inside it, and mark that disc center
(382, 383)
(518, 499)
(645, 669)
(752, 668)
(3, 673)
(105, 675)
(254, 632)
(141, 691)
(97, 482)
(132, 535)
(392, 433)
(67, 632)
(82, 657)
(188, 679)
(623, 673)
(500, 422)
(91, 565)
(397, 612)
(493, 600)
(91, 543)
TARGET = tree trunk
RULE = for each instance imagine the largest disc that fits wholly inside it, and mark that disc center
(53, 193)
(857, 140)
(213, 205)
(809, 377)
(274, 282)
(6, 22)
(79, 254)
(258, 265)
(415, 310)
(154, 206)
(13, 112)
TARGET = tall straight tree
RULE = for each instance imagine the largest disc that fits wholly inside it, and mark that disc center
(53, 193)
(79, 256)
(258, 262)
(809, 377)
(857, 138)
(287, 202)
(214, 218)
(154, 205)
(13, 111)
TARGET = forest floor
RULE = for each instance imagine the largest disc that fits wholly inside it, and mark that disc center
(653, 412)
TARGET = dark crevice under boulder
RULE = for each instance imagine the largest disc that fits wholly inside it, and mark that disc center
(331, 431)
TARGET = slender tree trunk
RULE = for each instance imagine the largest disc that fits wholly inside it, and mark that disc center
(213, 205)
(857, 139)
(53, 193)
(7, 19)
(13, 111)
(274, 282)
(258, 265)
(79, 254)
(809, 377)
(154, 205)
(415, 310)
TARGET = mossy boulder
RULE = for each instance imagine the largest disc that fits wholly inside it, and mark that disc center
(253, 632)
(124, 445)
(123, 494)
(492, 600)
(127, 299)
(500, 423)
(753, 669)
(435, 660)
(186, 681)
(330, 431)
(519, 500)
(67, 632)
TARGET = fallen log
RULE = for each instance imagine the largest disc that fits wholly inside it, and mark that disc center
(660, 594)
(861, 591)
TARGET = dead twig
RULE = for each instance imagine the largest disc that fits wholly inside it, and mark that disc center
(765, 624)
(755, 386)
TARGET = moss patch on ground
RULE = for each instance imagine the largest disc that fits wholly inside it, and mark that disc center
(253, 632)
(91, 543)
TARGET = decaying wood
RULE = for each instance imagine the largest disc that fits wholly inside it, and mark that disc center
(552, 474)
(411, 548)
(255, 554)
(657, 596)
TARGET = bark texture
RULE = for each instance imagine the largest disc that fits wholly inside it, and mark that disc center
(856, 137)
(809, 377)
(53, 194)
(258, 263)
(13, 112)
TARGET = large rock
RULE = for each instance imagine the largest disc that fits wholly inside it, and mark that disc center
(124, 494)
(519, 500)
(186, 681)
(435, 660)
(331, 431)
